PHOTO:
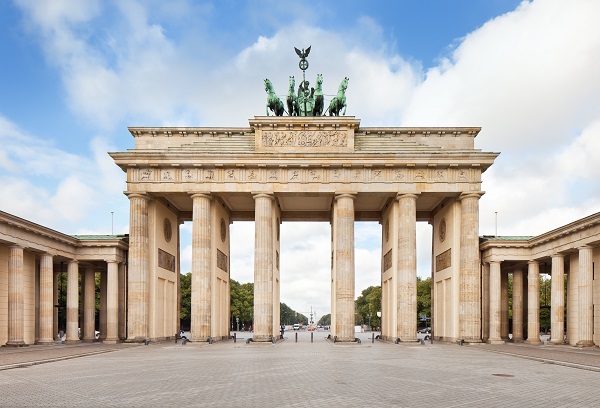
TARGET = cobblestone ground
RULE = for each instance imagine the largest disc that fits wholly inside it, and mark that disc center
(291, 374)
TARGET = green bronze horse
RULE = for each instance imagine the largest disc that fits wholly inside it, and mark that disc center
(273, 102)
(319, 104)
(339, 101)
(292, 99)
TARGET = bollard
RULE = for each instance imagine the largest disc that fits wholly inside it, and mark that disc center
(311, 337)
(234, 337)
(296, 337)
(372, 337)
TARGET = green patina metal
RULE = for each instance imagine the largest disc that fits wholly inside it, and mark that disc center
(307, 101)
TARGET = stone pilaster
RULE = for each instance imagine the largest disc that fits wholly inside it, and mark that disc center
(103, 297)
(557, 315)
(89, 304)
(263, 267)
(495, 301)
(138, 268)
(344, 263)
(201, 268)
(16, 297)
(123, 301)
(533, 303)
(72, 302)
(46, 316)
(407, 267)
(517, 306)
(485, 302)
(469, 297)
(585, 295)
(112, 302)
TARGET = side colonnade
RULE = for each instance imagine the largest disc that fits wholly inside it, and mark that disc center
(567, 256)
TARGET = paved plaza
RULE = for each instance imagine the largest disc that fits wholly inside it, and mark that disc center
(299, 374)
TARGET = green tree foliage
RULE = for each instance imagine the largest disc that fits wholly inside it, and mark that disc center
(289, 316)
(242, 302)
(325, 320)
(424, 298)
(367, 305)
(545, 292)
(185, 311)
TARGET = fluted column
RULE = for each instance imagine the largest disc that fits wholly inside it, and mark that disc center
(585, 297)
(407, 267)
(46, 316)
(138, 268)
(557, 315)
(263, 267)
(469, 296)
(112, 302)
(344, 261)
(201, 268)
(103, 297)
(16, 297)
(495, 301)
(123, 301)
(517, 306)
(533, 303)
(89, 304)
(72, 302)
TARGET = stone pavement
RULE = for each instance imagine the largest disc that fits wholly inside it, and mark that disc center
(302, 374)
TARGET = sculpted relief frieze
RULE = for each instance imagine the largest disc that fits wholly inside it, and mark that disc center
(305, 175)
(304, 138)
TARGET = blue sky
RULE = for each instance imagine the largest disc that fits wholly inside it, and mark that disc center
(76, 73)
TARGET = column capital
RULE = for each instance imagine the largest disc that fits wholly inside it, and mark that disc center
(204, 194)
(112, 261)
(17, 246)
(471, 194)
(584, 247)
(270, 196)
(533, 262)
(495, 262)
(131, 195)
(345, 195)
(73, 261)
(407, 195)
(557, 255)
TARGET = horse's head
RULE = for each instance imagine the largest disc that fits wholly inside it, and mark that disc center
(319, 79)
(344, 84)
(292, 81)
(268, 85)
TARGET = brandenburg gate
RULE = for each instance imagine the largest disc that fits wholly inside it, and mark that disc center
(303, 168)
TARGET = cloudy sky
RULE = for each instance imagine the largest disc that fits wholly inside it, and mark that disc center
(76, 73)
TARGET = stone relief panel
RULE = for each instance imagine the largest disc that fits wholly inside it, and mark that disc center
(307, 175)
(302, 138)
(166, 260)
(222, 263)
(443, 260)
(387, 260)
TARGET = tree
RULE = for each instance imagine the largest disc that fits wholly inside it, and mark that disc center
(367, 305)
(325, 320)
(289, 316)
(185, 313)
(423, 297)
(242, 302)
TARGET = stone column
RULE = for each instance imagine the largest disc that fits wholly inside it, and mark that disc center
(89, 305)
(557, 298)
(138, 268)
(517, 306)
(123, 302)
(16, 297)
(469, 297)
(485, 301)
(495, 301)
(201, 268)
(504, 305)
(112, 303)
(72, 302)
(586, 297)
(46, 316)
(263, 267)
(344, 261)
(533, 303)
(407, 267)
(55, 302)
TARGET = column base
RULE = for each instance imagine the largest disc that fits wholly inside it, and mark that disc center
(517, 340)
(557, 342)
(408, 339)
(88, 340)
(111, 341)
(585, 343)
(262, 338)
(533, 342)
(138, 339)
(495, 341)
(45, 342)
(18, 343)
(72, 342)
